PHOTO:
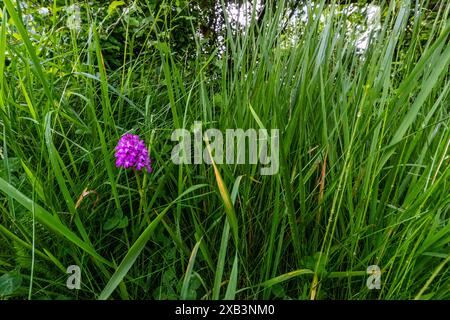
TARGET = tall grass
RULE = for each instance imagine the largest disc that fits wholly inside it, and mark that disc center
(364, 173)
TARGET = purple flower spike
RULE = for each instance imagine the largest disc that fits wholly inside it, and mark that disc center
(131, 152)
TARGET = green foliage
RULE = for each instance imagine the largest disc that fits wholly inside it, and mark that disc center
(9, 283)
(364, 160)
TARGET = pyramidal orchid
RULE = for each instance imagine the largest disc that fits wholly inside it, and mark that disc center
(131, 152)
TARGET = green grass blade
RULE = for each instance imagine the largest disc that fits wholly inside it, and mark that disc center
(137, 248)
(48, 220)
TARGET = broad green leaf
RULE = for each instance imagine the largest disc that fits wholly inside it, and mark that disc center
(230, 294)
(9, 283)
(188, 273)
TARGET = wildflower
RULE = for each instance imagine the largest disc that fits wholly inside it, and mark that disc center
(131, 152)
(43, 11)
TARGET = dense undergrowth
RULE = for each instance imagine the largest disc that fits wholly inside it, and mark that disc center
(363, 180)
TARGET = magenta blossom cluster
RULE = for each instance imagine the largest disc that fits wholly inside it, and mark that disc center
(131, 152)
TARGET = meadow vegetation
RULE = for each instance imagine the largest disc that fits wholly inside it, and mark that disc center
(364, 173)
